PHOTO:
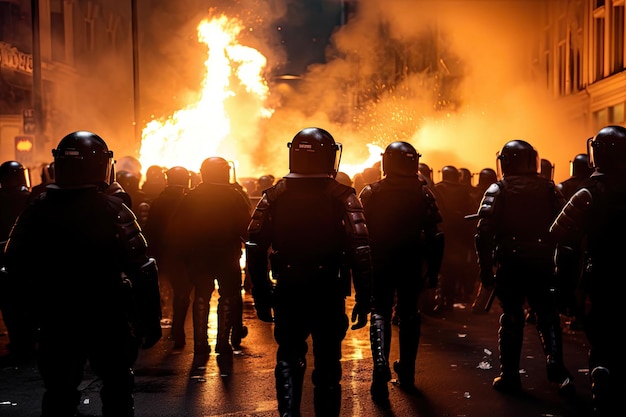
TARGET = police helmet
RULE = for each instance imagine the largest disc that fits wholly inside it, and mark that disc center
(178, 176)
(518, 157)
(450, 173)
(607, 149)
(13, 175)
(486, 177)
(579, 166)
(400, 159)
(215, 170)
(82, 158)
(313, 153)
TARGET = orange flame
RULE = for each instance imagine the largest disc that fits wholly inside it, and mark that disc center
(205, 128)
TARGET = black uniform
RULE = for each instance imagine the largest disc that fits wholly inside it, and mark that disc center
(310, 225)
(20, 328)
(172, 271)
(512, 237)
(85, 307)
(209, 229)
(402, 217)
(595, 219)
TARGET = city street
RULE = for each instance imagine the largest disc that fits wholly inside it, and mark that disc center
(457, 360)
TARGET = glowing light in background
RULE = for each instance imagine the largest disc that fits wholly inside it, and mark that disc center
(205, 128)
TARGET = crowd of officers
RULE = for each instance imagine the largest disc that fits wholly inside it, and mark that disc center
(402, 244)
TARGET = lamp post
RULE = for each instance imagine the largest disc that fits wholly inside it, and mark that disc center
(36, 99)
(135, 41)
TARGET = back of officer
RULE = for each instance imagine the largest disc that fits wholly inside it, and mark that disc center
(313, 224)
(209, 230)
(580, 170)
(403, 218)
(94, 291)
(14, 197)
(596, 214)
(174, 282)
(513, 239)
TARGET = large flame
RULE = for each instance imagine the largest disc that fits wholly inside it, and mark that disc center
(233, 80)
(205, 128)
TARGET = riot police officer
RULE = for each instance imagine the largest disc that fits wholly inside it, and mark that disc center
(513, 240)
(94, 290)
(596, 214)
(14, 197)
(580, 170)
(209, 229)
(175, 284)
(402, 218)
(313, 224)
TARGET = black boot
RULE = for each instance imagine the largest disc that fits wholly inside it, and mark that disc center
(379, 342)
(225, 320)
(510, 339)
(239, 330)
(200, 312)
(289, 380)
(550, 334)
(408, 338)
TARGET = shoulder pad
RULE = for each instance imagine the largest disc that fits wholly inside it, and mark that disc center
(277, 189)
(260, 213)
(129, 234)
(366, 193)
(486, 208)
(356, 221)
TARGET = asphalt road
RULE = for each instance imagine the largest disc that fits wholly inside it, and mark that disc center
(457, 361)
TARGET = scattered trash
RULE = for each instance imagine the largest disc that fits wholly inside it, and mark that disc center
(467, 395)
(86, 401)
(8, 403)
(484, 365)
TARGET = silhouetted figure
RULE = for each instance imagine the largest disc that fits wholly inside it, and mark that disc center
(174, 282)
(312, 224)
(155, 183)
(209, 229)
(459, 272)
(94, 291)
(47, 177)
(596, 217)
(580, 170)
(513, 241)
(402, 219)
(14, 197)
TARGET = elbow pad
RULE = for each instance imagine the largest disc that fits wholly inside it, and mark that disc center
(569, 224)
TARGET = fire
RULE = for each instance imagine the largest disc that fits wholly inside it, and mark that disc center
(205, 128)
(210, 127)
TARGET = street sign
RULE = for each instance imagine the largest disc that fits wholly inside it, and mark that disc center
(24, 149)
(30, 126)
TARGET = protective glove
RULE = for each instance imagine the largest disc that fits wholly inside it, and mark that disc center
(264, 312)
(152, 335)
(359, 314)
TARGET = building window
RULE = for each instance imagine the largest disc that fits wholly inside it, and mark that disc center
(601, 118)
(57, 30)
(598, 42)
(617, 114)
(113, 31)
(562, 60)
(91, 13)
(617, 38)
